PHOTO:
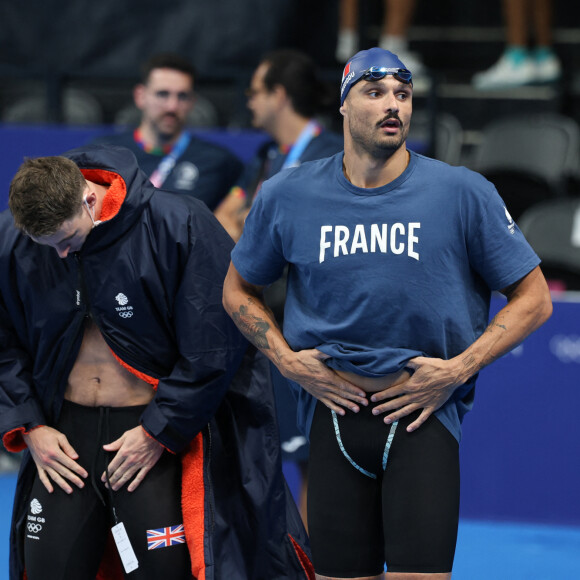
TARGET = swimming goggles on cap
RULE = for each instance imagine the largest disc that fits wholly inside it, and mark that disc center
(376, 73)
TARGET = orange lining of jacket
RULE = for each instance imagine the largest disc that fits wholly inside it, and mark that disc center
(115, 195)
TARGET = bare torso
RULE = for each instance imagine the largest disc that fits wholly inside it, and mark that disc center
(374, 384)
(98, 379)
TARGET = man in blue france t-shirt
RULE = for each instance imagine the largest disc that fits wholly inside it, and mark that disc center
(392, 260)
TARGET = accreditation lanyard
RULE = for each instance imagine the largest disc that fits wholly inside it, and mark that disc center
(167, 164)
(311, 130)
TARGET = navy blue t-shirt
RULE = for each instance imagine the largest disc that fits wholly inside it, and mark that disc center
(379, 276)
(204, 170)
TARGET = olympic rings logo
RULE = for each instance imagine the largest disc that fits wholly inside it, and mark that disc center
(34, 528)
(566, 348)
(126, 314)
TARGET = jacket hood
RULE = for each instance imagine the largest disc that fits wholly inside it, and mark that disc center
(104, 164)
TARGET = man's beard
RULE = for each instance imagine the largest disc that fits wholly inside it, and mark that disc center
(168, 135)
(382, 146)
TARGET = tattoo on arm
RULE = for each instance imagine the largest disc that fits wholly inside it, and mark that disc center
(491, 356)
(252, 327)
(470, 364)
(264, 308)
(277, 356)
(495, 323)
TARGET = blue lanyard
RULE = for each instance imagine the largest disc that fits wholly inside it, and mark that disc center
(306, 135)
(165, 166)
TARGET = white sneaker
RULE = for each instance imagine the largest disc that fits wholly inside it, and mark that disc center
(506, 74)
(346, 45)
(412, 61)
(548, 69)
(399, 45)
(421, 81)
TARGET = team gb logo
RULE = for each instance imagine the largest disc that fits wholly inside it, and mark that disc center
(124, 309)
(121, 299)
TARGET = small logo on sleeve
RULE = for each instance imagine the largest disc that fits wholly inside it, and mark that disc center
(511, 224)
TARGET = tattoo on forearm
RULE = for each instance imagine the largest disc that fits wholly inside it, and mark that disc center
(277, 356)
(264, 308)
(493, 353)
(495, 324)
(252, 327)
(469, 363)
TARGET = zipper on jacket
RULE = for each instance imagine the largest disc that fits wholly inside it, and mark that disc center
(72, 340)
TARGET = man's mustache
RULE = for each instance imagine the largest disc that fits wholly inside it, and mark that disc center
(389, 117)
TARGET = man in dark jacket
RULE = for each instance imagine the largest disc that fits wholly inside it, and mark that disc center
(139, 405)
(166, 151)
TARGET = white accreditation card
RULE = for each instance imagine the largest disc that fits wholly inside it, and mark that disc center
(126, 552)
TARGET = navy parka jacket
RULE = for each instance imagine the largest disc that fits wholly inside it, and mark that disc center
(151, 277)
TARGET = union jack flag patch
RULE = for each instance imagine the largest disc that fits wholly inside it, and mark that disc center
(165, 537)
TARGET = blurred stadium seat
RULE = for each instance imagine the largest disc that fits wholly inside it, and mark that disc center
(530, 158)
(553, 230)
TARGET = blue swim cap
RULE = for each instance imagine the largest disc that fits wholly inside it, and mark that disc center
(380, 60)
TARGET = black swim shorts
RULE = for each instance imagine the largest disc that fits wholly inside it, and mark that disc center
(378, 494)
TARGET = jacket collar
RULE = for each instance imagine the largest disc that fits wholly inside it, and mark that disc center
(129, 190)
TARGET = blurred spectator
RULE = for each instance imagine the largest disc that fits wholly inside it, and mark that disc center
(284, 97)
(174, 159)
(521, 64)
(397, 17)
